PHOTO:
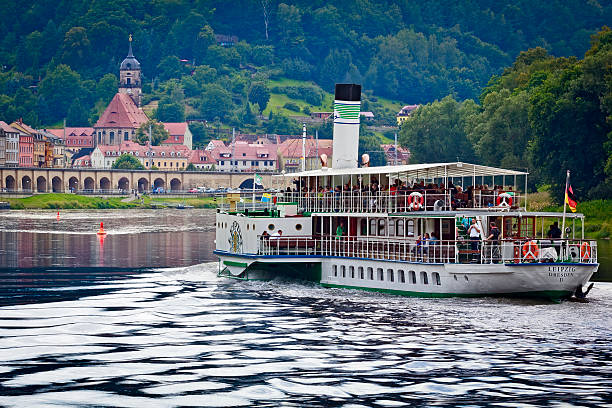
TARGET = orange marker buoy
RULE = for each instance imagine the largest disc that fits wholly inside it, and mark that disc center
(101, 230)
(58, 217)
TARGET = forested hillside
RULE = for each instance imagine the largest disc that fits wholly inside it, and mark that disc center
(60, 58)
(544, 113)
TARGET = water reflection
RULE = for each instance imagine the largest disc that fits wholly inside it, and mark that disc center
(134, 239)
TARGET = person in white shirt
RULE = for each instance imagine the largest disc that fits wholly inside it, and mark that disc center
(474, 232)
(277, 234)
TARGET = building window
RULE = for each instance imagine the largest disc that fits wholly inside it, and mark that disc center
(126, 136)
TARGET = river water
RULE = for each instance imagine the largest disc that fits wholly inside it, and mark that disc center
(140, 319)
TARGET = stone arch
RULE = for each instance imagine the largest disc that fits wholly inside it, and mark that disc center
(26, 183)
(143, 185)
(159, 182)
(41, 184)
(105, 183)
(175, 184)
(10, 183)
(248, 184)
(56, 184)
(123, 184)
(73, 183)
(89, 184)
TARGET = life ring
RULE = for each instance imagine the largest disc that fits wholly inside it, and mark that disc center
(416, 201)
(504, 200)
(585, 251)
(530, 250)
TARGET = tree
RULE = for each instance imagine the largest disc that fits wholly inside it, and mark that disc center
(169, 67)
(107, 87)
(201, 136)
(191, 167)
(216, 102)
(127, 162)
(60, 88)
(77, 114)
(436, 132)
(370, 143)
(168, 111)
(158, 133)
(259, 94)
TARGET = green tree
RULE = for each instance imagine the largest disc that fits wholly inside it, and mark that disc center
(201, 135)
(76, 46)
(191, 167)
(259, 94)
(216, 102)
(77, 114)
(60, 88)
(436, 132)
(158, 133)
(169, 67)
(168, 111)
(107, 87)
(370, 143)
(127, 162)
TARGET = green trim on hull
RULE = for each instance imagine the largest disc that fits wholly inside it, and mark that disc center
(554, 295)
(234, 263)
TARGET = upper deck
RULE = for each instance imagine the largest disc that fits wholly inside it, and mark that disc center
(415, 187)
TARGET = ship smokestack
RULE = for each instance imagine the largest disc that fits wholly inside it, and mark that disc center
(347, 106)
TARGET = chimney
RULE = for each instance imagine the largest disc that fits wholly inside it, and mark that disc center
(347, 106)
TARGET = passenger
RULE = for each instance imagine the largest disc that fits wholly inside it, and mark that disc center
(340, 230)
(277, 235)
(554, 232)
(493, 238)
(434, 239)
(265, 235)
(474, 233)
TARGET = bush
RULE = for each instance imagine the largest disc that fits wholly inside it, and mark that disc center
(292, 106)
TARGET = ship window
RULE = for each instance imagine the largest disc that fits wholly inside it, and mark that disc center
(400, 228)
(370, 273)
(343, 271)
(271, 227)
(412, 275)
(380, 274)
(436, 278)
(402, 276)
(360, 270)
(335, 268)
(373, 227)
(352, 272)
(390, 276)
(424, 280)
(410, 228)
(391, 228)
(364, 226)
(248, 226)
(381, 227)
(298, 227)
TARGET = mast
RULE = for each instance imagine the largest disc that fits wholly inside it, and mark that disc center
(564, 204)
(303, 146)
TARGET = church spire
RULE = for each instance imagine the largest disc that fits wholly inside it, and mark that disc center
(130, 50)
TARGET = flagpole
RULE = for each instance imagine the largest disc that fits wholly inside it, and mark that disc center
(254, 182)
(564, 204)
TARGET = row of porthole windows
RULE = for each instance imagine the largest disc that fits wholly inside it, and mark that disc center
(298, 227)
(390, 276)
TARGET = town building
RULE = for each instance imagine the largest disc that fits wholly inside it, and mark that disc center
(179, 134)
(243, 156)
(26, 150)
(402, 157)
(82, 162)
(2, 149)
(75, 137)
(290, 154)
(405, 113)
(55, 152)
(11, 150)
(119, 122)
(202, 159)
(160, 157)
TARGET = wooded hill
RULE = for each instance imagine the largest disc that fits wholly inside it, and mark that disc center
(415, 52)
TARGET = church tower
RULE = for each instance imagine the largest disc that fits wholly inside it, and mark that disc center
(130, 82)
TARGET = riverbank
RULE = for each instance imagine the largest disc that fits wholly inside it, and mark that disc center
(79, 202)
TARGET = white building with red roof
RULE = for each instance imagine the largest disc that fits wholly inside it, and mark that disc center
(161, 157)
(243, 156)
(203, 159)
(290, 154)
(119, 122)
(405, 113)
(179, 134)
(83, 162)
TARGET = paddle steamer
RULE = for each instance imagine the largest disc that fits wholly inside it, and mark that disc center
(405, 229)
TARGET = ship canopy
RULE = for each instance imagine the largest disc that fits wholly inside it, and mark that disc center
(420, 171)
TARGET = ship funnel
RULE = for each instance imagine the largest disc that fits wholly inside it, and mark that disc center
(347, 106)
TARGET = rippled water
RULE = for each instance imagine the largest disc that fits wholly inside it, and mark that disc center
(109, 336)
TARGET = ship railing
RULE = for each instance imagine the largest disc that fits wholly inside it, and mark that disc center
(400, 201)
(438, 251)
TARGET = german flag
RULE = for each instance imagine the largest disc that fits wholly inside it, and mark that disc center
(570, 198)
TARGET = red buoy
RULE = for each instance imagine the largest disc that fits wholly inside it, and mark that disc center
(101, 230)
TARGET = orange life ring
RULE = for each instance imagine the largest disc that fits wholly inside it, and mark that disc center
(504, 200)
(585, 251)
(416, 201)
(530, 250)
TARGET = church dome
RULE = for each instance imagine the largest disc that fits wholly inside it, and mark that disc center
(130, 62)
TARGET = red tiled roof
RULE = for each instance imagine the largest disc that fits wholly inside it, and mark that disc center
(129, 147)
(122, 112)
(20, 126)
(201, 157)
(72, 131)
(246, 151)
(293, 148)
(7, 128)
(176, 128)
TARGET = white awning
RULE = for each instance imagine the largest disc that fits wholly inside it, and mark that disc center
(424, 170)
